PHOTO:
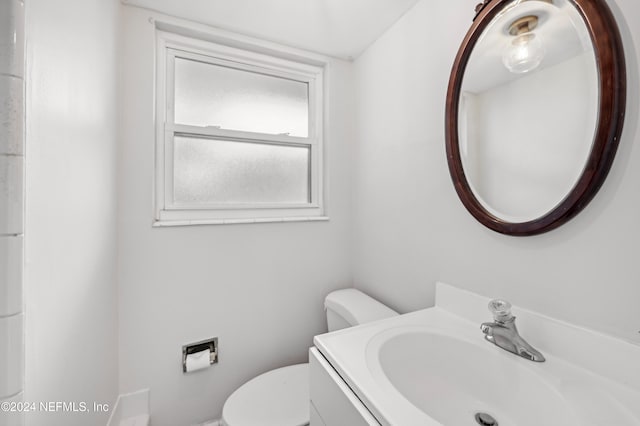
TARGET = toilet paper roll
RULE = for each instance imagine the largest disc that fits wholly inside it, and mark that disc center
(198, 360)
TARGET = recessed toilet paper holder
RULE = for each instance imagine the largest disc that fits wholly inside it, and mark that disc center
(203, 345)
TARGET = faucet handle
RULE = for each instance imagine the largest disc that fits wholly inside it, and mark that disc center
(501, 310)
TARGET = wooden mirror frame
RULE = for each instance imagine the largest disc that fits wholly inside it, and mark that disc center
(609, 54)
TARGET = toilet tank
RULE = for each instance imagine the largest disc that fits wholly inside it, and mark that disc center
(350, 307)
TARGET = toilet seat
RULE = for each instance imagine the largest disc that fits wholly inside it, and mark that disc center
(276, 398)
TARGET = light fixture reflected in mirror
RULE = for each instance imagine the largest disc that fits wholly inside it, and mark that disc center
(525, 52)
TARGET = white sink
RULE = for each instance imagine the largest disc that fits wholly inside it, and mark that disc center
(433, 367)
(452, 379)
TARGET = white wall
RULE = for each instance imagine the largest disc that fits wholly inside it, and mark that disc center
(411, 230)
(258, 288)
(71, 296)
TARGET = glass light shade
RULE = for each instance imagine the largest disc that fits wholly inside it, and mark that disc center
(523, 54)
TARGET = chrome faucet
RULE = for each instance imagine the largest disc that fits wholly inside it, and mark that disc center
(504, 334)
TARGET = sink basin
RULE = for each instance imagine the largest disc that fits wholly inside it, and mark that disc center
(433, 367)
(452, 380)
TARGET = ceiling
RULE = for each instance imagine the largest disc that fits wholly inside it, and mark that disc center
(340, 28)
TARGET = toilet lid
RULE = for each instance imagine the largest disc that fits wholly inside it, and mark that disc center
(276, 398)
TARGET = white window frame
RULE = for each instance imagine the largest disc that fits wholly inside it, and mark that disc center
(168, 212)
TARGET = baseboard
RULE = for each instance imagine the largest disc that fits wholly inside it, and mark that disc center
(131, 409)
(210, 423)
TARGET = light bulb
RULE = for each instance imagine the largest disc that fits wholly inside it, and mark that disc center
(523, 54)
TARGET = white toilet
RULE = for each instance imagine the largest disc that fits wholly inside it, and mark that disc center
(281, 397)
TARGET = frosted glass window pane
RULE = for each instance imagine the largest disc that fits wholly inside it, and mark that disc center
(214, 95)
(218, 171)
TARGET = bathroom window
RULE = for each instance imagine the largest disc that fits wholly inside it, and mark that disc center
(239, 135)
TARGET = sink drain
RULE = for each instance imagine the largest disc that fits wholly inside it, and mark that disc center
(485, 419)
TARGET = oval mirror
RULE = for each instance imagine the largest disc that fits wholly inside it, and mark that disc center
(535, 108)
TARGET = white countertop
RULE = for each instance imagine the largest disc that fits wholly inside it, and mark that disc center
(598, 375)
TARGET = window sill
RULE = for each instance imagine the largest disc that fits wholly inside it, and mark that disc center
(169, 223)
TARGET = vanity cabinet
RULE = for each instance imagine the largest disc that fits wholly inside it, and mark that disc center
(333, 403)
